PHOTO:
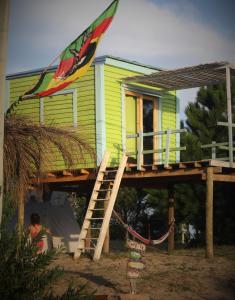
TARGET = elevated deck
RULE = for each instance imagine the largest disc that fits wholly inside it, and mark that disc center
(150, 176)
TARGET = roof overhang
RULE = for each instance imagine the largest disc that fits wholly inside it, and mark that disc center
(185, 78)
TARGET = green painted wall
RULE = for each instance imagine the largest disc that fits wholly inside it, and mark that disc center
(169, 121)
(58, 109)
(113, 106)
(113, 109)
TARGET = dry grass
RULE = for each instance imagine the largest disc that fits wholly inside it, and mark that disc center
(27, 149)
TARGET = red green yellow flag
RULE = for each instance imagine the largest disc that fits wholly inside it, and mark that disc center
(76, 59)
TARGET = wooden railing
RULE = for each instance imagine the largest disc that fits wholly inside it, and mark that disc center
(221, 146)
(140, 145)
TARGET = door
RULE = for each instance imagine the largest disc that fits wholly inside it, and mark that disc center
(131, 125)
(141, 116)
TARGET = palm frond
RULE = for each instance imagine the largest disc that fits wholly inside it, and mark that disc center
(30, 149)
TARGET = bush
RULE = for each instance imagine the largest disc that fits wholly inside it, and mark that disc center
(26, 275)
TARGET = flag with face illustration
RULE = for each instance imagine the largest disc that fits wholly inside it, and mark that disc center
(76, 59)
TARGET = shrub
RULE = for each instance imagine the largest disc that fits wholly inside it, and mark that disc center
(26, 275)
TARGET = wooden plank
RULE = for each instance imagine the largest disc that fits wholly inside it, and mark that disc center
(91, 206)
(209, 214)
(224, 177)
(67, 173)
(84, 171)
(229, 113)
(155, 128)
(109, 210)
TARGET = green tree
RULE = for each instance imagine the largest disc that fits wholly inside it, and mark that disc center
(209, 108)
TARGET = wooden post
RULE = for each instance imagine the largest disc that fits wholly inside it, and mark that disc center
(209, 213)
(4, 16)
(171, 213)
(168, 141)
(155, 128)
(229, 111)
(20, 195)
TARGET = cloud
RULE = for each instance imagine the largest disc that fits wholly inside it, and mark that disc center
(142, 30)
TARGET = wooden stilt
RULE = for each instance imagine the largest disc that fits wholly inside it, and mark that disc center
(171, 214)
(209, 213)
(20, 224)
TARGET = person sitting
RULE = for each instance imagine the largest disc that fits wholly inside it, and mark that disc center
(35, 228)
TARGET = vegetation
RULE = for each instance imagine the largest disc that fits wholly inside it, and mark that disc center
(28, 149)
(27, 275)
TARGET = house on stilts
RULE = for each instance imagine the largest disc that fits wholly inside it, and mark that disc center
(129, 113)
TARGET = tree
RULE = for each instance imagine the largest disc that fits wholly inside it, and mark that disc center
(202, 117)
(29, 151)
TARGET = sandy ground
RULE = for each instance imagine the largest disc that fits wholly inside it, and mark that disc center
(186, 274)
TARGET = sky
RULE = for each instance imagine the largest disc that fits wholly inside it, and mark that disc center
(162, 33)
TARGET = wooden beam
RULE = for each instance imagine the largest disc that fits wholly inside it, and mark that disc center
(224, 177)
(67, 173)
(155, 129)
(51, 175)
(165, 173)
(229, 114)
(20, 222)
(84, 171)
(64, 179)
(209, 214)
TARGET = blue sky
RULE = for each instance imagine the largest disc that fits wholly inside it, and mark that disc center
(163, 33)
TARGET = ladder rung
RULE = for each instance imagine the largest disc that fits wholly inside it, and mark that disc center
(100, 199)
(93, 209)
(95, 228)
(89, 248)
(95, 218)
(110, 171)
(103, 190)
(107, 180)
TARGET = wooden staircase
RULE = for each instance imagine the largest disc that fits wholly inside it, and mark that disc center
(100, 208)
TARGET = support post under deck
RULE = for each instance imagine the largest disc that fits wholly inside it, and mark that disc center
(209, 213)
(171, 213)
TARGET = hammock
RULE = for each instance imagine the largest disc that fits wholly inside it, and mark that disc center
(139, 237)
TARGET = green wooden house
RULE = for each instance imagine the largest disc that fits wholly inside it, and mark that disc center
(106, 111)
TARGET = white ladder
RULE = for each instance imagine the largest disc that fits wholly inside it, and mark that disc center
(97, 217)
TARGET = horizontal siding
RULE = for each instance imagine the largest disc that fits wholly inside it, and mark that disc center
(169, 121)
(113, 110)
(58, 111)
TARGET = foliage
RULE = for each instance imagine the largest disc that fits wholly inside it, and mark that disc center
(27, 275)
(202, 117)
(28, 149)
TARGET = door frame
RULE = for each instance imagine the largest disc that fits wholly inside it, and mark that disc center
(139, 117)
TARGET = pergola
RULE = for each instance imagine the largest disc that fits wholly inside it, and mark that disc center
(192, 77)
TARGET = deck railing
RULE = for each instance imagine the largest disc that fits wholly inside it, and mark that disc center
(214, 146)
(140, 145)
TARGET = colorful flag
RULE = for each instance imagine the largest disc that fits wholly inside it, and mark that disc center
(76, 59)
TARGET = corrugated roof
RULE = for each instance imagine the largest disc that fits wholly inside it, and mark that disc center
(184, 78)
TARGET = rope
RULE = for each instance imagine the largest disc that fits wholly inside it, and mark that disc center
(139, 237)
